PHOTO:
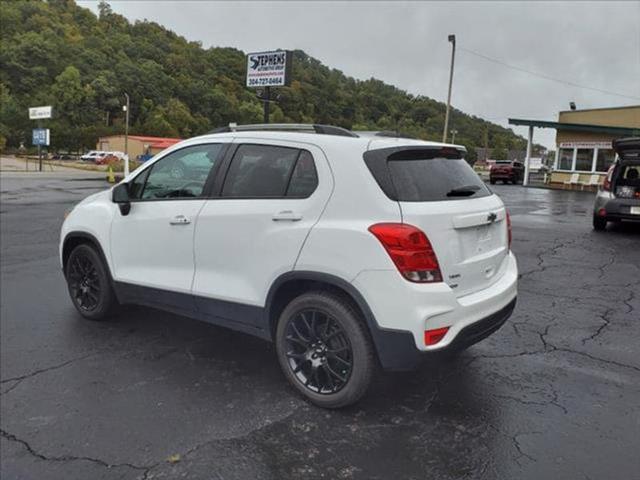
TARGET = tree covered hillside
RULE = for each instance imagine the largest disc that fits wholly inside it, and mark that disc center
(57, 53)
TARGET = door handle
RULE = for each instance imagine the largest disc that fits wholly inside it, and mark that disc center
(179, 220)
(286, 216)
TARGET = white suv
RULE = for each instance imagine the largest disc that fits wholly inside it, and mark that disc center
(348, 251)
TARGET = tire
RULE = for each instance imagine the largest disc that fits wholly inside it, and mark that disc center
(492, 181)
(89, 283)
(309, 328)
(599, 223)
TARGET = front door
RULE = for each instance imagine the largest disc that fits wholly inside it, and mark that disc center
(152, 246)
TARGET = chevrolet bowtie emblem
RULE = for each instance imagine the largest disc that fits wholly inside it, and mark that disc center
(492, 217)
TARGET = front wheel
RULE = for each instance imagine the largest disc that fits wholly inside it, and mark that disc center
(599, 223)
(324, 349)
(89, 284)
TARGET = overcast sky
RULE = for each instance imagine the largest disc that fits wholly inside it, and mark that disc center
(594, 44)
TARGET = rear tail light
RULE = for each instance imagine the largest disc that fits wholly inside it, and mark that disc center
(606, 185)
(410, 250)
(431, 337)
(509, 234)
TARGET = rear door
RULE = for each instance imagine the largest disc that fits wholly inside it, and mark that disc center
(440, 193)
(252, 231)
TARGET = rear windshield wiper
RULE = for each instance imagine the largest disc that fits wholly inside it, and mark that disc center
(464, 191)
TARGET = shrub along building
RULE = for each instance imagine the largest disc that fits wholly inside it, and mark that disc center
(138, 145)
(583, 143)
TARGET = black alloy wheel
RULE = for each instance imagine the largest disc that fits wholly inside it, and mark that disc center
(318, 351)
(84, 282)
(325, 349)
(89, 283)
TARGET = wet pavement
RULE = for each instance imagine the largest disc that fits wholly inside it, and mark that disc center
(554, 394)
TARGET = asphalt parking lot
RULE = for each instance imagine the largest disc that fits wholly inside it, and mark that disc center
(554, 394)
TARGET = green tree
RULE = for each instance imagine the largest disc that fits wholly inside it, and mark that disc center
(55, 52)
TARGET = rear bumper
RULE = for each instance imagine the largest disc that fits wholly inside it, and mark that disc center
(404, 310)
(616, 208)
(397, 351)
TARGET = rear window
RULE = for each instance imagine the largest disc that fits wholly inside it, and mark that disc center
(424, 175)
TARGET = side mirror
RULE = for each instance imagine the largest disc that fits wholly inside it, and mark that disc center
(120, 195)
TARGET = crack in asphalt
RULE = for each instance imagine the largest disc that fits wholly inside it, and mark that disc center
(20, 378)
(66, 458)
(514, 441)
(519, 447)
(608, 263)
(540, 257)
(531, 402)
(605, 324)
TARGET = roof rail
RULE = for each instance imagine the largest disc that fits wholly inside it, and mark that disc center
(287, 127)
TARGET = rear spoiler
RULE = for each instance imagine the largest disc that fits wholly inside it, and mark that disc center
(627, 148)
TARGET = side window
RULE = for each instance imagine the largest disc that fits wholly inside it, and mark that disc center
(181, 174)
(304, 178)
(260, 171)
(137, 184)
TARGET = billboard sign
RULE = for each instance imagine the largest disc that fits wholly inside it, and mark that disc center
(269, 69)
(39, 113)
(40, 136)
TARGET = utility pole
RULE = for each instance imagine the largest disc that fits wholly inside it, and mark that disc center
(39, 151)
(452, 39)
(126, 136)
(453, 135)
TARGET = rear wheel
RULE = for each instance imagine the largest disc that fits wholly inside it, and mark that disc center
(89, 284)
(599, 223)
(492, 181)
(324, 349)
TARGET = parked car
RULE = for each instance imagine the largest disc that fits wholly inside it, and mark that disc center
(618, 198)
(90, 156)
(507, 171)
(346, 251)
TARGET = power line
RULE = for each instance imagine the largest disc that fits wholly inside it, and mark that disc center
(546, 77)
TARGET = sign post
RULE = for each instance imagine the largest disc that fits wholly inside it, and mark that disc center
(40, 136)
(269, 69)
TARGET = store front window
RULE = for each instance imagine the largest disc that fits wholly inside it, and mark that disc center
(604, 159)
(584, 159)
(565, 159)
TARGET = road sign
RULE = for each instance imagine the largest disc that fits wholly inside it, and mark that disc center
(39, 113)
(40, 136)
(269, 69)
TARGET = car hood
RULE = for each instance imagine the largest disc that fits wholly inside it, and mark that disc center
(103, 195)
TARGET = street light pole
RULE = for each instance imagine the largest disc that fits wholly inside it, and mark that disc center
(126, 136)
(452, 39)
